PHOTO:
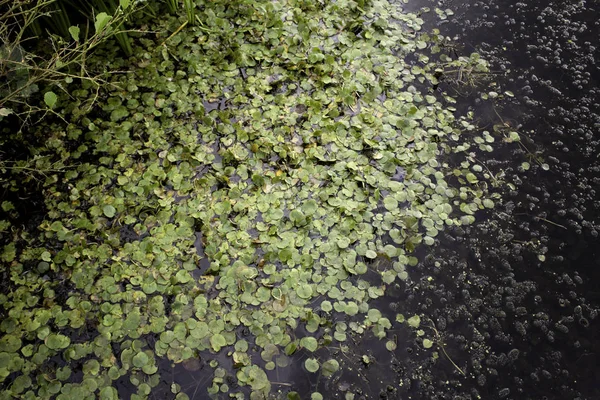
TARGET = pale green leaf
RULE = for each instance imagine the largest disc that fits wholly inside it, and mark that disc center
(50, 99)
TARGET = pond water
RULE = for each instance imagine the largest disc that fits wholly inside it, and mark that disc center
(508, 305)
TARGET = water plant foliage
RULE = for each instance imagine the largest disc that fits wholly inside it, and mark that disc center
(296, 147)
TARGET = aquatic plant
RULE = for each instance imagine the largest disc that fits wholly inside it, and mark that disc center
(294, 145)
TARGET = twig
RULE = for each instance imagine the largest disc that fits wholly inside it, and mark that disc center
(438, 341)
(174, 33)
(544, 219)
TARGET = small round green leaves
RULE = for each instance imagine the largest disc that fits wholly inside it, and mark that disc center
(217, 341)
(414, 321)
(330, 367)
(109, 211)
(311, 364)
(427, 343)
(11, 344)
(390, 203)
(109, 393)
(140, 360)
(50, 99)
(309, 343)
(57, 341)
(391, 345)
(310, 207)
(305, 291)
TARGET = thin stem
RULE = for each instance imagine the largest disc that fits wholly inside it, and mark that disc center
(438, 341)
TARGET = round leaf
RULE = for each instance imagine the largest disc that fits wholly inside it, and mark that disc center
(311, 365)
(109, 211)
(140, 359)
(50, 99)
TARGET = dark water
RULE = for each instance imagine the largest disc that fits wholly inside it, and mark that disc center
(523, 327)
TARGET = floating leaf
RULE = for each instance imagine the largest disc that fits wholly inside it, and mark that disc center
(351, 308)
(370, 254)
(57, 341)
(310, 207)
(217, 342)
(311, 364)
(330, 367)
(108, 393)
(291, 348)
(305, 291)
(109, 211)
(21, 383)
(414, 321)
(390, 345)
(390, 203)
(427, 343)
(183, 276)
(140, 359)
(309, 343)
(326, 306)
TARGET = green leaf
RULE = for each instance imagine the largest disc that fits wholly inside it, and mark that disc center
(109, 393)
(21, 383)
(124, 4)
(217, 341)
(57, 341)
(50, 99)
(74, 31)
(63, 373)
(46, 256)
(471, 178)
(183, 276)
(310, 207)
(102, 20)
(390, 203)
(285, 255)
(343, 242)
(5, 112)
(297, 216)
(309, 343)
(351, 308)
(109, 210)
(414, 321)
(326, 306)
(330, 367)
(291, 348)
(304, 291)
(311, 365)
(140, 359)
(427, 343)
